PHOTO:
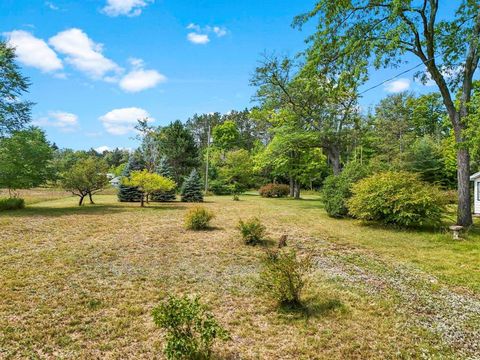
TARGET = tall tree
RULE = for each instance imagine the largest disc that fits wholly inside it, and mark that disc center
(354, 34)
(318, 101)
(127, 193)
(178, 145)
(14, 112)
(25, 160)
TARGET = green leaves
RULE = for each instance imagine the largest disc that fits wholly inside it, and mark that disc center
(191, 329)
(14, 113)
(398, 198)
(25, 159)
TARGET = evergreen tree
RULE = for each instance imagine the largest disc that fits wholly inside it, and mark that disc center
(130, 193)
(192, 188)
(164, 170)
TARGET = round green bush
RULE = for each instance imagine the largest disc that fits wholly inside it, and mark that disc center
(398, 198)
(338, 189)
(274, 190)
(12, 203)
(252, 230)
(198, 218)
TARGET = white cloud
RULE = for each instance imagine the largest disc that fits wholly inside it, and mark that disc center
(398, 85)
(34, 52)
(51, 5)
(198, 38)
(122, 121)
(102, 148)
(193, 26)
(66, 122)
(219, 31)
(200, 35)
(125, 7)
(83, 53)
(139, 79)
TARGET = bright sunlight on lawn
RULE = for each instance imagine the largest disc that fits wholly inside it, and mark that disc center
(82, 282)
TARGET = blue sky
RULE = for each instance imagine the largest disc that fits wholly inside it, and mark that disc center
(96, 65)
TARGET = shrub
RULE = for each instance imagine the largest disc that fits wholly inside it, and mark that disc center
(337, 189)
(191, 330)
(398, 198)
(283, 276)
(198, 218)
(12, 204)
(218, 187)
(274, 190)
(252, 230)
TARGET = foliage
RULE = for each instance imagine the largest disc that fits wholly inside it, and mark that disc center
(177, 144)
(148, 182)
(252, 230)
(14, 113)
(192, 188)
(293, 154)
(398, 198)
(274, 190)
(338, 189)
(354, 35)
(12, 203)
(226, 136)
(282, 276)
(425, 157)
(163, 169)
(235, 170)
(25, 159)
(198, 218)
(309, 100)
(131, 193)
(219, 187)
(86, 177)
(191, 329)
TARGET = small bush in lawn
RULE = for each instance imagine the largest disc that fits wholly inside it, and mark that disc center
(274, 190)
(236, 197)
(283, 276)
(12, 204)
(398, 198)
(252, 230)
(338, 189)
(191, 329)
(198, 218)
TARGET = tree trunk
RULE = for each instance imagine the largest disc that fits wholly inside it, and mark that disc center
(334, 159)
(80, 202)
(142, 201)
(90, 197)
(292, 187)
(297, 190)
(464, 212)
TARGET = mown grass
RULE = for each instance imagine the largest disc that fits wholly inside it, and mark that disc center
(81, 282)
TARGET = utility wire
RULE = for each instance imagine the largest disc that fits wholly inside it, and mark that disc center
(396, 76)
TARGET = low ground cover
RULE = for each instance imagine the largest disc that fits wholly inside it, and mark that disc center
(82, 282)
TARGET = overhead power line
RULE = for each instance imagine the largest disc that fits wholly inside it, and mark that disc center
(396, 76)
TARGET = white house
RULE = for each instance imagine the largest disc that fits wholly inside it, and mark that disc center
(115, 181)
(476, 192)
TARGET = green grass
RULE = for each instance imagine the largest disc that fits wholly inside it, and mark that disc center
(81, 282)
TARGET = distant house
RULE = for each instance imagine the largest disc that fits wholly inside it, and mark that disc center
(115, 181)
(476, 192)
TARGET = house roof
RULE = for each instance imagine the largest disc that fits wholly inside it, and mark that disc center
(475, 176)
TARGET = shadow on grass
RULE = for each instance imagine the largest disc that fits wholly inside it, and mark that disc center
(312, 308)
(94, 210)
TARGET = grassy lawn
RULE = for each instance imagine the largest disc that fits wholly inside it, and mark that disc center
(81, 283)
